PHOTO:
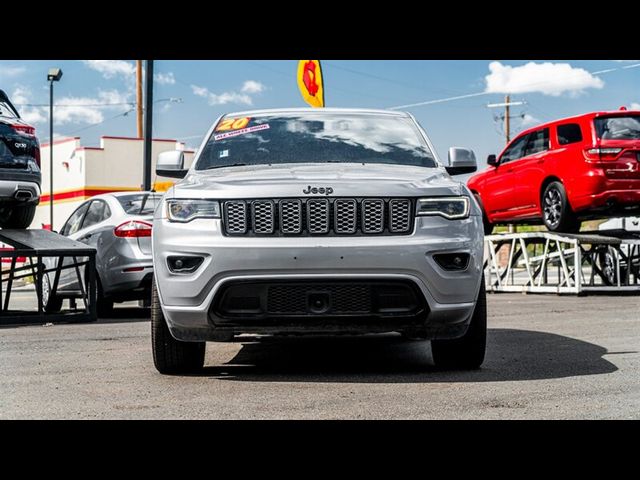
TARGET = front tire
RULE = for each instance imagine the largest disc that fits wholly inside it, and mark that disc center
(556, 211)
(607, 258)
(104, 305)
(50, 303)
(466, 352)
(18, 217)
(171, 356)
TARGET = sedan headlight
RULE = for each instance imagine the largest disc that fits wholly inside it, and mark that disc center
(447, 207)
(187, 210)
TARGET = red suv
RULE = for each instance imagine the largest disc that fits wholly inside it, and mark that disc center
(563, 172)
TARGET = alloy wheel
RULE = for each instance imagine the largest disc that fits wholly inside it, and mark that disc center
(552, 207)
(45, 290)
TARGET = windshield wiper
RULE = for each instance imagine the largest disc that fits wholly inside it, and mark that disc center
(225, 166)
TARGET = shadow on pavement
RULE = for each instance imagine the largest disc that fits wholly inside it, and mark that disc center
(127, 315)
(511, 355)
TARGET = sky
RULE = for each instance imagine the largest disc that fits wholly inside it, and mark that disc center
(96, 97)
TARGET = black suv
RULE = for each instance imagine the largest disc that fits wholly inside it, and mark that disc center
(20, 175)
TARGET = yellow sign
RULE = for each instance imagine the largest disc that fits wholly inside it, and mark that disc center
(232, 124)
(310, 82)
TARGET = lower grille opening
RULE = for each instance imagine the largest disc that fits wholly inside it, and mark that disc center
(274, 303)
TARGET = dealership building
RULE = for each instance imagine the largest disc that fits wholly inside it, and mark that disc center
(80, 172)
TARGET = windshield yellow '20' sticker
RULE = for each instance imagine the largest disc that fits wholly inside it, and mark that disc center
(232, 124)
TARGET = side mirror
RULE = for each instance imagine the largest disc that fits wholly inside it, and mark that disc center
(171, 164)
(461, 160)
(492, 160)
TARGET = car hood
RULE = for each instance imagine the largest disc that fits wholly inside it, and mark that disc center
(293, 180)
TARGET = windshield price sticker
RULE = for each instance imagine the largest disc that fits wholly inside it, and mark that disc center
(232, 124)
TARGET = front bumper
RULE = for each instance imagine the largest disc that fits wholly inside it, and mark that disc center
(187, 298)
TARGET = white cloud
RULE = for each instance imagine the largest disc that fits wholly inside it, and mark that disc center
(626, 60)
(9, 71)
(31, 115)
(112, 68)
(244, 96)
(528, 120)
(90, 109)
(547, 78)
(164, 78)
(634, 106)
(251, 86)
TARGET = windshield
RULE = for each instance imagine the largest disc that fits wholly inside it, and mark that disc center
(310, 137)
(139, 203)
(618, 128)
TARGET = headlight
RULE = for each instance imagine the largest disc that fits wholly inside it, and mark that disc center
(187, 210)
(447, 207)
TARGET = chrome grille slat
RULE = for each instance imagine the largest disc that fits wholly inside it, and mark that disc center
(263, 216)
(235, 217)
(345, 213)
(319, 216)
(372, 216)
(399, 215)
(290, 216)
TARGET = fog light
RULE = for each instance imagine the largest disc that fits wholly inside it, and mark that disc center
(452, 261)
(184, 264)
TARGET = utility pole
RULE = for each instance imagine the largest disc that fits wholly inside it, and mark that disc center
(507, 119)
(507, 127)
(139, 97)
(507, 114)
(148, 124)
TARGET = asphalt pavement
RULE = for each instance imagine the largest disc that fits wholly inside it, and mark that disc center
(548, 357)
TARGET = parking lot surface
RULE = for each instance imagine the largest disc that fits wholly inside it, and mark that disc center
(548, 357)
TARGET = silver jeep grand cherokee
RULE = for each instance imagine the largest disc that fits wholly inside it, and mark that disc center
(317, 221)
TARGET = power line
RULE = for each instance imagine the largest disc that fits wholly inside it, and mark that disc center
(384, 79)
(337, 89)
(478, 94)
(171, 99)
(124, 114)
(75, 104)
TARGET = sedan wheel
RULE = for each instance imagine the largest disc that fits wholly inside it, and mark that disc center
(50, 303)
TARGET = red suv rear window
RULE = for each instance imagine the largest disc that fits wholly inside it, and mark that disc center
(618, 128)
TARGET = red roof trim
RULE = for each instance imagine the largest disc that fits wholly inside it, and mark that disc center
(82, 193)
(109, 137)
(56, 142)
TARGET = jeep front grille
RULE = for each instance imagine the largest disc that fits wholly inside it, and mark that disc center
(319, 216)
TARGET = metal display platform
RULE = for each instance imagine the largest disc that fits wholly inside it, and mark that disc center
(544, 262)
(35, 246)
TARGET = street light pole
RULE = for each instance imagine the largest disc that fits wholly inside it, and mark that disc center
(51, 155)
(54, 75)
(148, 126)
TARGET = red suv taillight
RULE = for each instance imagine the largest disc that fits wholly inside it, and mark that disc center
(133, 229)
(24, 129)
(601, 154)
